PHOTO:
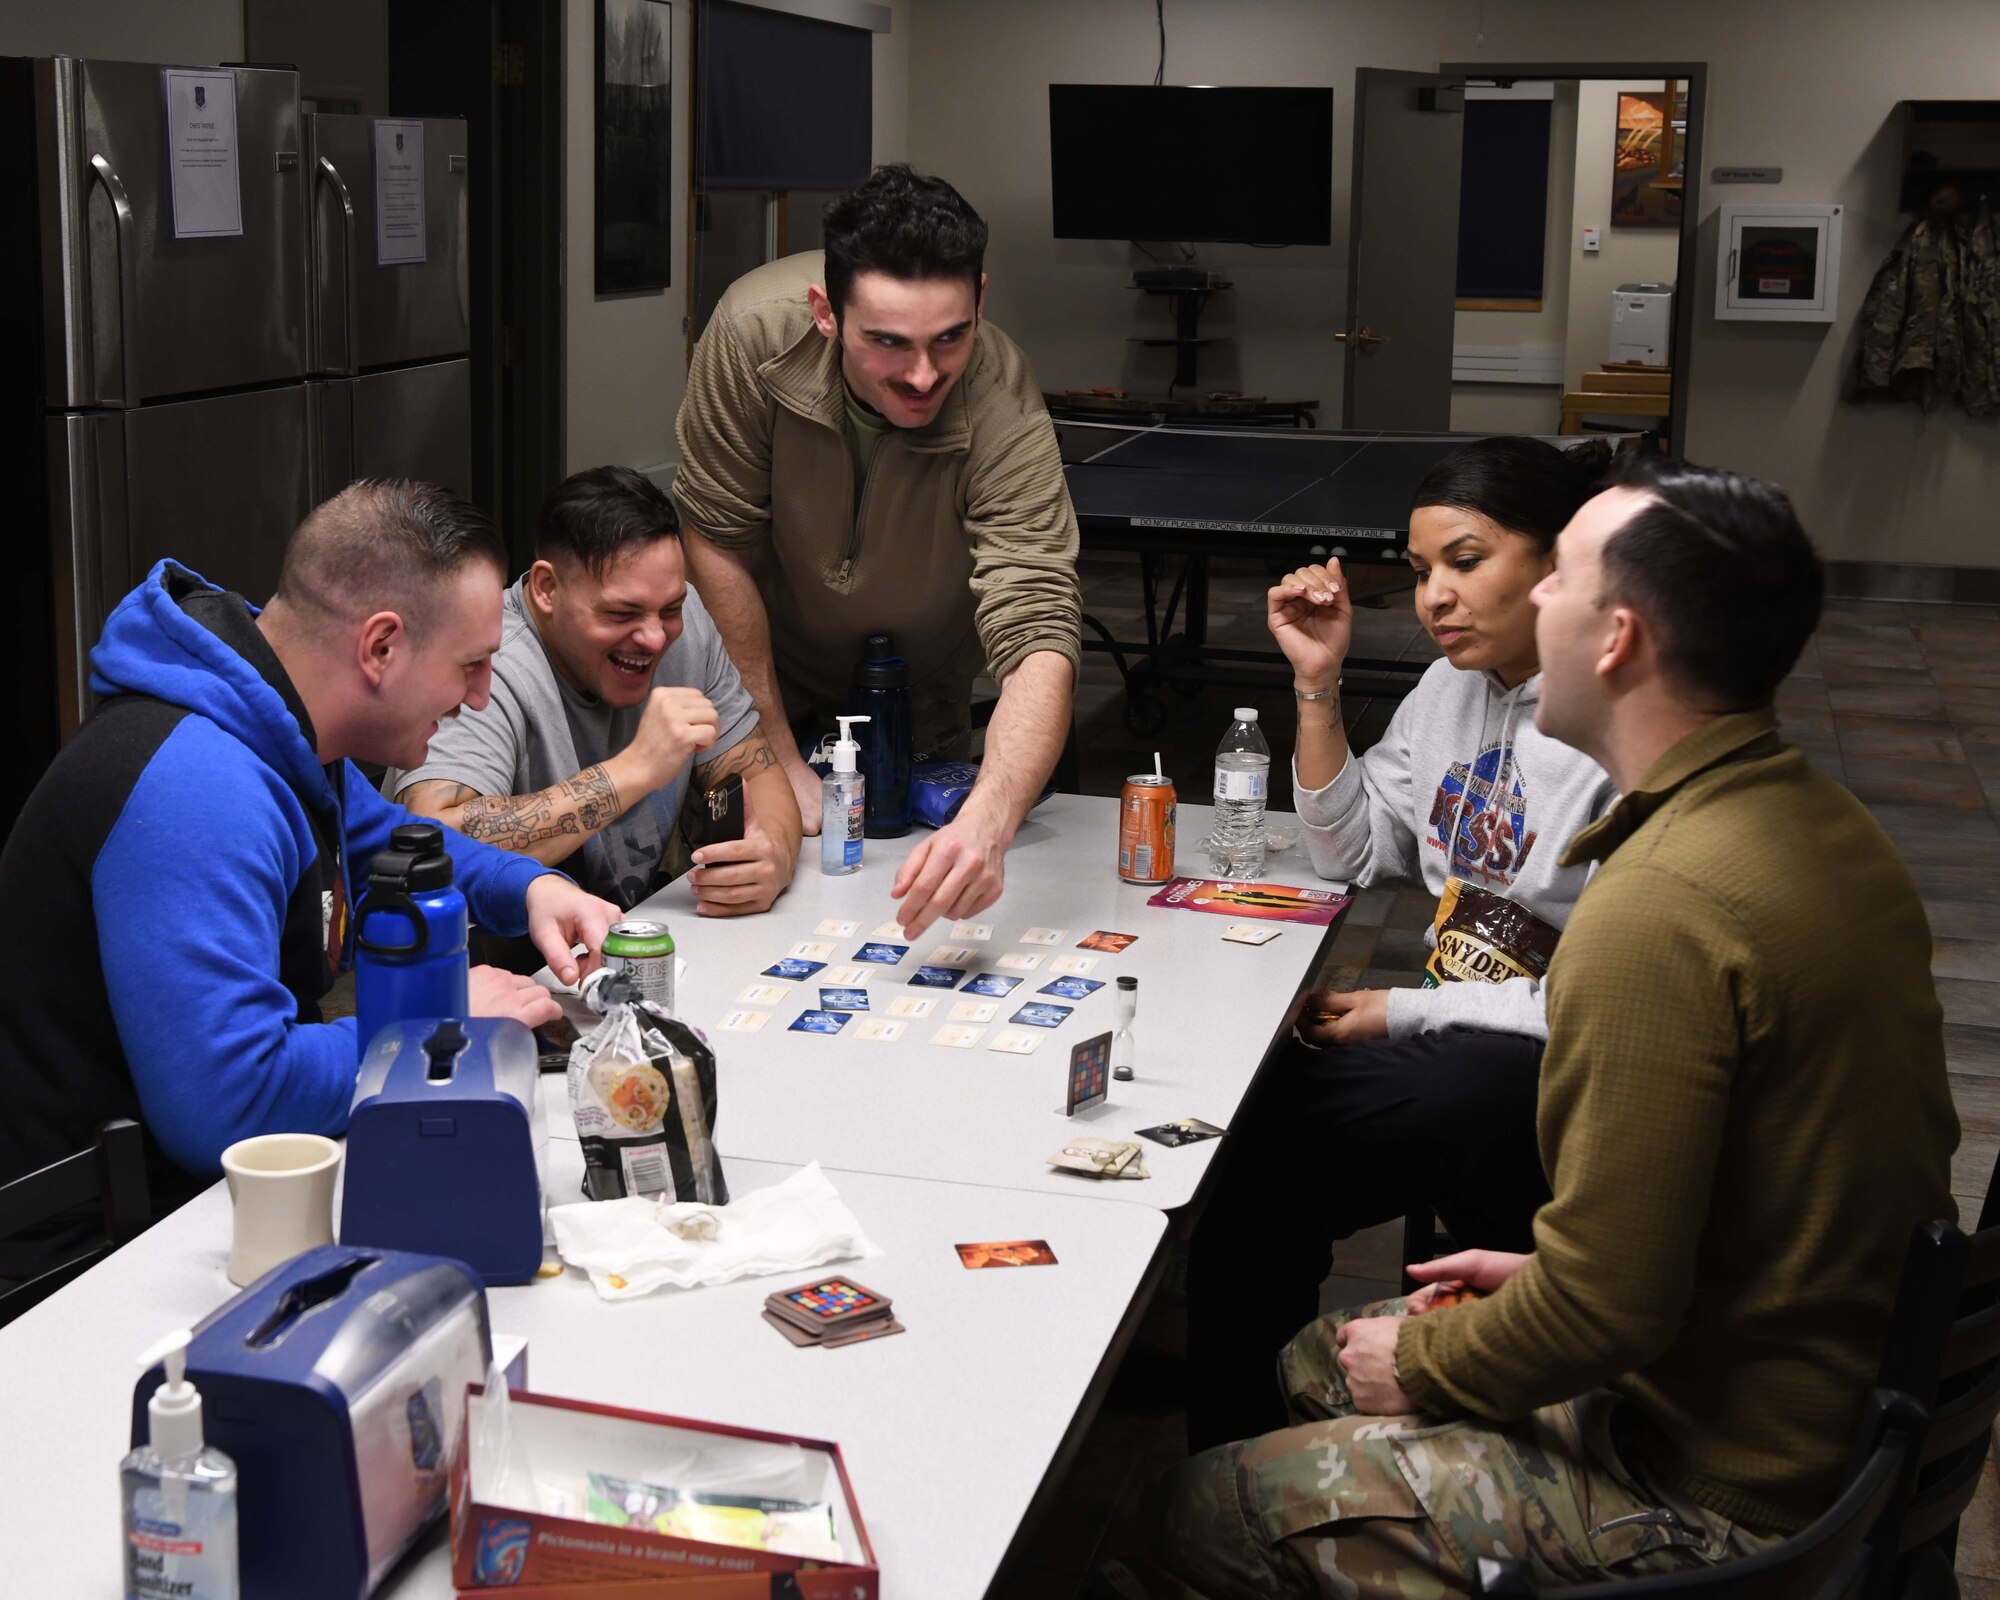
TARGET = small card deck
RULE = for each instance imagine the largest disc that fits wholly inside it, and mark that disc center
(1101, 1158)
(830, 1312)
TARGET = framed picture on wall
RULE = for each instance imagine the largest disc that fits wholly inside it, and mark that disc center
(635, 145)
(1646, 161)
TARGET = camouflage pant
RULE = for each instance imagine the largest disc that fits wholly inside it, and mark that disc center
(1401, 1508)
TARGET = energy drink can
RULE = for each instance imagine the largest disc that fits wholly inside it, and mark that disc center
(1146, 829)
(646, 951)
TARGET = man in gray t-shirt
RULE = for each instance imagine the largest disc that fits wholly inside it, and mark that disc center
(610, 687)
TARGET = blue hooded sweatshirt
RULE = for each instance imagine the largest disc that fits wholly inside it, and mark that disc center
(177, 889)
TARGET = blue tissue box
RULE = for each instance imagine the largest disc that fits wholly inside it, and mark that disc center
(447, 1146)
(336, 1383)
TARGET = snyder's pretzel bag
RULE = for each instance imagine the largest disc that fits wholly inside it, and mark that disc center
(642, 1090)
(1483, 937)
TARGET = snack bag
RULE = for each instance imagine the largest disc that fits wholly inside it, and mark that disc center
(1482, 937)
(642, 1090)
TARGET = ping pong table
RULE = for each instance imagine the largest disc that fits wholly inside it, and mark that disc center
(1292, 495)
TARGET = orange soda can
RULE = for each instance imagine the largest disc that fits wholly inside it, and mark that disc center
(1146, 829)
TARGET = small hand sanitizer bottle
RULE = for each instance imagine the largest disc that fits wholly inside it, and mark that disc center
(843, 806)
(180, 1499)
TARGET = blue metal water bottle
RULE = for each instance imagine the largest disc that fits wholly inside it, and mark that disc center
(409, 936)
(881, 693)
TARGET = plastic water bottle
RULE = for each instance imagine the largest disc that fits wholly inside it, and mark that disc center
(1242, 782)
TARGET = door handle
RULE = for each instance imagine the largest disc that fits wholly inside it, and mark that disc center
(128, 276)
(329, 174)
(1362, 339)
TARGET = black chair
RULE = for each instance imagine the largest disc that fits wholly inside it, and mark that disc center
(1846, 1555)
(112, 1173)
(1944, 1348)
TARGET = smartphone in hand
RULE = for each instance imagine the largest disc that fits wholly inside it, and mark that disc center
(723, 817)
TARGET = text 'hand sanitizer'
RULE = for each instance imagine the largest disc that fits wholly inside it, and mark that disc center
(180, 1499)
(843, 805)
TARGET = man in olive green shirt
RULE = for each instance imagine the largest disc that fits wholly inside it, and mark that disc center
(861, 454)
(1743, 1112)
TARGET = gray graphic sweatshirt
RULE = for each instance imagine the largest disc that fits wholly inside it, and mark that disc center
(1462, 769)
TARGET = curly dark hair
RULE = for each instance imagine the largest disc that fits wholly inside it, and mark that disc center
(1721, 568)
(904, 225)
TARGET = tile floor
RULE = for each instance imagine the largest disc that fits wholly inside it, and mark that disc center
(1901, 702)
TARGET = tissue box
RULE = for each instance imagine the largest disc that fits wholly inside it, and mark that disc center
(447, 1146)
(520, 1522)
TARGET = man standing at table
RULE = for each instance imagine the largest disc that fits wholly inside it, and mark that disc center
(861, 454)
(610, 689)
(179, 883)
(1738, 1149)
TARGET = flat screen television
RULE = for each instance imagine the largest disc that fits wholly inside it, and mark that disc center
(1250, 166)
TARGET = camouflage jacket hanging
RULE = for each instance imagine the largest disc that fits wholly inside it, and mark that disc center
(1930, 324)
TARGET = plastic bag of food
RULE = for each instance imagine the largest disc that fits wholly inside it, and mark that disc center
(1483, 937)
(642, 1090)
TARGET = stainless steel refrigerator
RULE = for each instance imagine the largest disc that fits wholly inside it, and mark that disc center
(202, 335)
(391, 324)
(169, 343)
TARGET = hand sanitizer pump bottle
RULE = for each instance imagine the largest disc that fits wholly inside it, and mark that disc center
(179, 1498)
(843, 806)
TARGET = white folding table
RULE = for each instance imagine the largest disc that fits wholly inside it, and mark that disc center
(1209, 1010)
(948, 1429)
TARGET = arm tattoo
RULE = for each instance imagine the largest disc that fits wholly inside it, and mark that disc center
(574, 807)
(595, 798)
(751, 754)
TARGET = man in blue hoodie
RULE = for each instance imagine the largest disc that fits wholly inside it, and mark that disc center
(177, 887)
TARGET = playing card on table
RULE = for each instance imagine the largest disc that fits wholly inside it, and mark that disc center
(937, 977)
(1021, 960)
(1078, 965)
(1037, 1014)
(1071, 988)
(819, 1022)
(794, 969)
(973, 1011)
(882, 955)
(993, 983)
(1250, 933)
(881, 1029)
(889, 930)
(811, 950)
(1015, 1041)
(745, 1021)
(912, 1005)
(846, 977)
(958, 1036)
(1189, 1130)
(763, 994)
(843, 999)
(834, 928)
(972, 930)
(1101, 1158)
(951, 955)
(1045, 936)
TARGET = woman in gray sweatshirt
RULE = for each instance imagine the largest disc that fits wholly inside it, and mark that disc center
(1398, 1099)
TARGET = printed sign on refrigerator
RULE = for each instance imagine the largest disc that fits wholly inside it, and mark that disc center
(201, 154)
(399, 192)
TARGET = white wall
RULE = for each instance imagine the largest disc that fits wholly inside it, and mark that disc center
(627, 353)
(189, 33)
(1627, 255)
(1810, 85)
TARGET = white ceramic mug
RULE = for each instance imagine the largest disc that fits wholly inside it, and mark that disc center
(281, 1191)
